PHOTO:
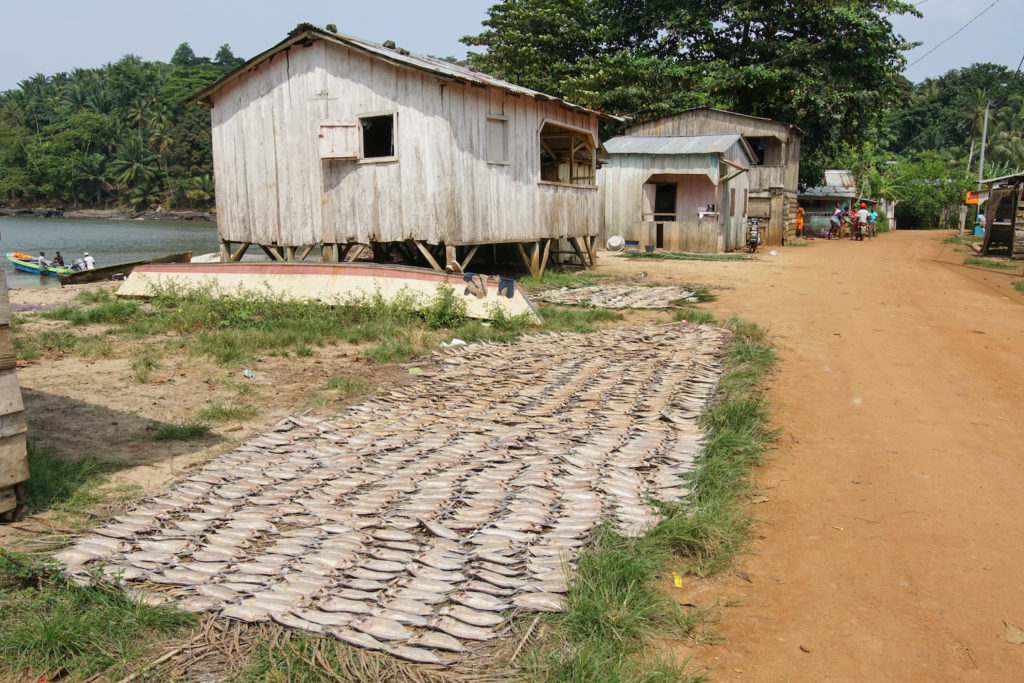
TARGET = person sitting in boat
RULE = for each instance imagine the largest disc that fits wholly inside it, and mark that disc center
(43, 263)
(90, 262)
(58, 260)
(78, 265)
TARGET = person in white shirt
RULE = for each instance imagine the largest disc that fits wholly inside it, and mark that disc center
(90, 262)
(862, 214)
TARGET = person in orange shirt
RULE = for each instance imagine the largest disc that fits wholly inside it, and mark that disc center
(799, 221)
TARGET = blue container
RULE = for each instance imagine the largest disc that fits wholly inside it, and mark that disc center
(979, 231)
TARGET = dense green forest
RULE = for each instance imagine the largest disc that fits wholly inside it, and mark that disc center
(116, 135)
(119, 134)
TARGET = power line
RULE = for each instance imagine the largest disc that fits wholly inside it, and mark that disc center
(954, 34)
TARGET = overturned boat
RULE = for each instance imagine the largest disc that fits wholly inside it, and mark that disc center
(484, 296)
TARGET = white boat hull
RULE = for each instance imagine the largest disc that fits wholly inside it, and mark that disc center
(332, 283)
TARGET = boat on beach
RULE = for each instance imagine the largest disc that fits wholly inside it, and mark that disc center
(483, 296)
(77, 277)
(30, 264)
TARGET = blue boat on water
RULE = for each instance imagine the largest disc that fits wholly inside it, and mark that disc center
(30, 264)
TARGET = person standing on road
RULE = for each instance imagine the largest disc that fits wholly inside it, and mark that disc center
(799, 221)
(862, 218)
(872, 223)
(836, 222)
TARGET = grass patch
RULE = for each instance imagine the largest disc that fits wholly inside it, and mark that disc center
(220, 412)
(68, 485)
(54, 628)
(557, 279)
(613, 605)
(695, 316)
(109, 311)
(182, 431)
(346, 385)
(798, 244)
(576, 319)
(143, 364)
(680, 256)
(1019, 285)
(989, 263)
(46, 342)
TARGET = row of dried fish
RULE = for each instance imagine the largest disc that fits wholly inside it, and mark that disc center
(427, 517)
(619, 296)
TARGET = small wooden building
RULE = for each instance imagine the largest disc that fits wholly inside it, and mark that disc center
(840, 188)
(678, 193)
(326, 142)
(775, 173)
(1004, 216)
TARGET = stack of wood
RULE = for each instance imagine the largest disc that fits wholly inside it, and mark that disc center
(13, 460)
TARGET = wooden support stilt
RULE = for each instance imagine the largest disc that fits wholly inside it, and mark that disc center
(240, 252)
(289, 253)
(354, 251)
(225, 251)
(523, 256)
(591, 243)
(577, 247)
(272, 252)
(450, 255)
(469, 257)
(544, 259)
(535, 259)
(427, 255)
(305, 253)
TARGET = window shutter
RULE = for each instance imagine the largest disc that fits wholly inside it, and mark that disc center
(340, 140)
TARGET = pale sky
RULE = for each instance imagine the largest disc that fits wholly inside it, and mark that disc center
(49, 36)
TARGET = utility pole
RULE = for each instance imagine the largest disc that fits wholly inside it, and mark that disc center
(984, 136)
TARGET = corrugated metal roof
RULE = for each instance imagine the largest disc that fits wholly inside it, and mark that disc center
(672, 144)
(306, 33)
(838, 183)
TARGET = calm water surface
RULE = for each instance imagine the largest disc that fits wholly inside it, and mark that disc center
(109, 242)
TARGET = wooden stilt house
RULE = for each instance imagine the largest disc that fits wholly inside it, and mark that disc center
(775, 173)
(327, 144)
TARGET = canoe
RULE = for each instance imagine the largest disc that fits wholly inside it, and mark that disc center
(30, 264)
(334, 282)
(77, 277)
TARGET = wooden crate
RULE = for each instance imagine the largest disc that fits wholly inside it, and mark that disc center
(13, 461)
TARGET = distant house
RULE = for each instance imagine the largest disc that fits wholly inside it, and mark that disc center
(820, 202)
(326, 143)
(682, 193)
(775, 170)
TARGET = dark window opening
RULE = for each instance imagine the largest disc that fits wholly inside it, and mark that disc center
(378, 136)
(768, 150)
(665, 202)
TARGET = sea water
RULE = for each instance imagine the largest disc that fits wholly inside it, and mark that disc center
(108, 242)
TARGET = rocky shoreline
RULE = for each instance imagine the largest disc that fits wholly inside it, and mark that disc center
(109, 214)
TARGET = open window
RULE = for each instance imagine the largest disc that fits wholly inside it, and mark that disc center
(567, 156)
(497, 140)
(367, 137)
(767, 149)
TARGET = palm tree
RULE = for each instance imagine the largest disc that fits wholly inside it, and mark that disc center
(144, 195)
(93, 175)
(200, 189)
(133, 163)
(975, 116)
(1006, 144)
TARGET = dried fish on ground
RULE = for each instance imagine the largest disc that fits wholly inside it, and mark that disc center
(424, 517)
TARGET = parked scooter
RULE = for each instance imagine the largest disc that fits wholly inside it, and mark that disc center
(753, 234)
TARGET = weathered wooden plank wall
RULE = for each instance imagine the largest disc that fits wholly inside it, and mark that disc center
(13, 461)
(272, 187)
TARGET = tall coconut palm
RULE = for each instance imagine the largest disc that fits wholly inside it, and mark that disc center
(133, 163)
(975, 116)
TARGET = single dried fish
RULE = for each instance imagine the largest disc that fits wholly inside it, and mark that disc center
(542, 602)
(357, 638)
(460, 629)
(480, 601)
(381, 628)
(436, 641)
(471, 616)
(336, 604)
(413, 654)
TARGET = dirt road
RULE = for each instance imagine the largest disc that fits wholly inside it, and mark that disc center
(889, 536)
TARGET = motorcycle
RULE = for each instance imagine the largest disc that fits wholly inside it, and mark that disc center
(753, 235)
